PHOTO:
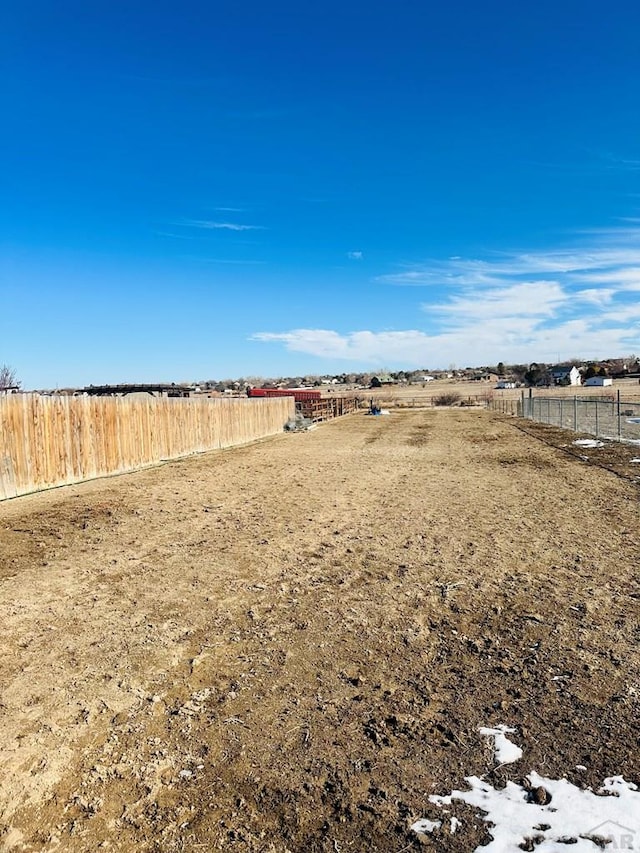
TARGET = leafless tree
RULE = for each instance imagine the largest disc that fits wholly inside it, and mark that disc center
(8, 377)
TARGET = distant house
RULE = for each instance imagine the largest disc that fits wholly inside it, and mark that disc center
(504, 384)
(599, 382)
(566, 375)
(382, 379)
(428, 378)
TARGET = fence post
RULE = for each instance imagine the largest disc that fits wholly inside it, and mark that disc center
(619, 417)
(597, 427)
(575, 414)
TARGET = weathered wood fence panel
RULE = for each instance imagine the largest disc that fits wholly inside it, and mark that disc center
(52, 441)
(327, 408)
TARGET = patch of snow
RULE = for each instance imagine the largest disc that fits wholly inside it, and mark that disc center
(385, 412)
(588, 442)
(634, 460)
(424, 826)
(633, 420)
(505, 751)
(546, 812)
(573, 816)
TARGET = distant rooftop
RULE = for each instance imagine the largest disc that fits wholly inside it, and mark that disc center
(158, 390)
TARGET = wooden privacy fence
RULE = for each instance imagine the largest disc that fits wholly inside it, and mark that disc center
(52, 441)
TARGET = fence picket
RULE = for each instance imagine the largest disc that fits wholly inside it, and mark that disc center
(52, 441)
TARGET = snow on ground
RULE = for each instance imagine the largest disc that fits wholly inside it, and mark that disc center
(425, 826)
(588, 442)
(454, 824)
(505, 751)
(552, 814)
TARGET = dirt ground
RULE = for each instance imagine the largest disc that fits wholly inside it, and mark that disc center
(289, 646)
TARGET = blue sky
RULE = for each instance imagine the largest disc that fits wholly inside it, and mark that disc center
(213, 189)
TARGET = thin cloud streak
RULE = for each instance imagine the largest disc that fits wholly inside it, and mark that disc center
(224, 226)
(613, 250)
(172, 234)
(599, 162)
(614, 161)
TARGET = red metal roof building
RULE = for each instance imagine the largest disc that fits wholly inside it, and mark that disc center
(301, 395)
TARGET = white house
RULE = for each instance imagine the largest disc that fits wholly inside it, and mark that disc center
(599, 381)
(566, 375)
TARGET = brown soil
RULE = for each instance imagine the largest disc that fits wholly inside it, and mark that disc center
(289, 646)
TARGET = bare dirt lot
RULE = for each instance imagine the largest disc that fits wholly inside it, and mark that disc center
(289, 646)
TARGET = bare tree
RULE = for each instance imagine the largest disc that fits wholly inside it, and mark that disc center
(8, 377)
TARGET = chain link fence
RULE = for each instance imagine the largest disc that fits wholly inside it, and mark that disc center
(603, 417)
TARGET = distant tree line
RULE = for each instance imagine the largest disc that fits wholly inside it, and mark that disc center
(533, 374)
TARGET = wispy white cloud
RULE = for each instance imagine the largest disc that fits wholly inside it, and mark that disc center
(364, 346)
(229, 209)
(355, 256)
(596, 296)
(516, 340)
(616, 161)
(576, 301)
(519, 341)
(620, 278)
(600, 261)
(225, 226)
(626, 314)
(173, 234)
(530, 299)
